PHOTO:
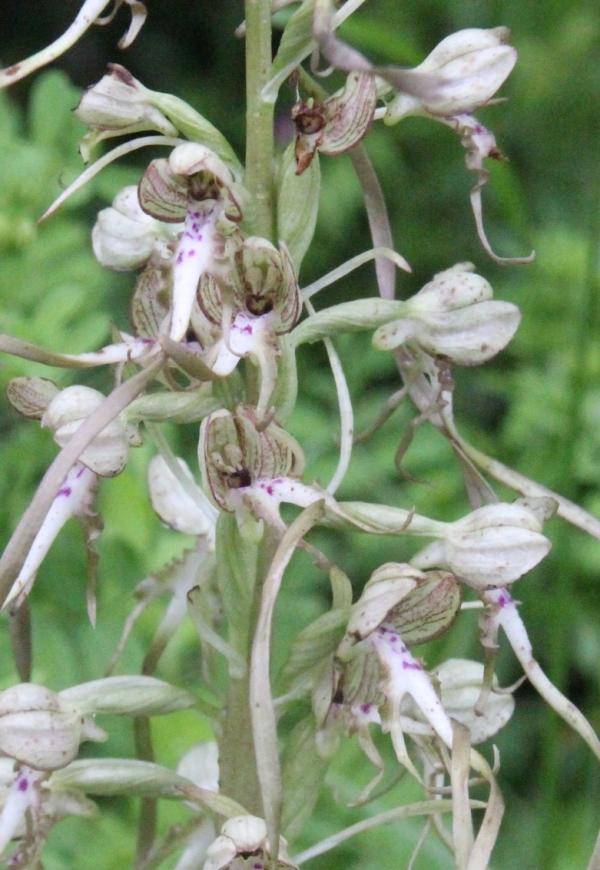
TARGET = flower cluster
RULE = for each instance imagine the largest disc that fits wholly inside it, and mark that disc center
(217, 327)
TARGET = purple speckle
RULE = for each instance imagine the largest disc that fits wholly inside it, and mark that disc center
(66, 491)
(191, 253)
(180, 257)
(503, 599)
(23, 784)
(269, 490)
(365, 708)
(246, 330)
(80, 472)
(196, 214)
(411, 666)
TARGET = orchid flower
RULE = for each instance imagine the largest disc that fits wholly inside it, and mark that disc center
(472, 65)
(261, 304)
(338, 123)
(453, 316)
(193, 185)
(63, 412)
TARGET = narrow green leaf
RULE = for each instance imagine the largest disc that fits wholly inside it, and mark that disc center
(297, 204)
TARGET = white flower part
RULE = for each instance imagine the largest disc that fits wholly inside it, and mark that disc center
(196, 846)
(108, 452)
(200, 764)
(193, 257)
(404, 675)
(41, 729)
(124, 237)
(22, 795)
(267, 494)
(454, 316)
(365, 714)
(492, 546)
(473, 64)
(460, 686)
(240, 836)
(219, 854)
(455, 287)
(128, 350)
(245, 335)
(172, 503)
(74, 498)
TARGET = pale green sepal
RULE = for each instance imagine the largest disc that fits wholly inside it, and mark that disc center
(341, 588)
(195, 127)
(128, 695)
(297, 204)
(31, 396)
(187, 406)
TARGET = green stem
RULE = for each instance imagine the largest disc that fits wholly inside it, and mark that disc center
(147, 818)
(239, 777)
(259, 117)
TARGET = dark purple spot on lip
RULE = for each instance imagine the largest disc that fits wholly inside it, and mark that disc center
(411, 666)
(365, 708)
(180, 257)
(23, 784)
(191, 253)
(270, 490)
(66, 491)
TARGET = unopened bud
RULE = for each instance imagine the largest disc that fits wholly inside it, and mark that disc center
(41, 729)
(453, 316)
(492, 546)
(471, 64)
(118, 105)
(241, 837)
(125, 237)
(107, 454)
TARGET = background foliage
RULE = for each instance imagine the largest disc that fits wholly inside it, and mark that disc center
(537, 407)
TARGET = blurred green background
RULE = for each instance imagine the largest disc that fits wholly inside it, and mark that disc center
(536, 407)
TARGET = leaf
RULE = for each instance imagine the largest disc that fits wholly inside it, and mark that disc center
(302, 776)
(296, 44)
(236, 560)
(297, 204)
